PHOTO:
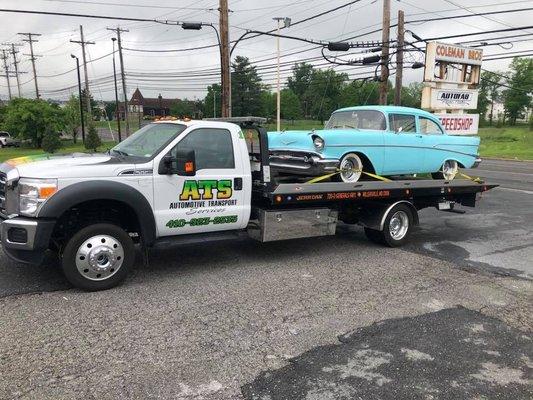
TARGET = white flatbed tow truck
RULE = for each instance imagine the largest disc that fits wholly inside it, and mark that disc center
(190, 181)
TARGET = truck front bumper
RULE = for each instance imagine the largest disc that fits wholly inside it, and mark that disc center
(26, 239)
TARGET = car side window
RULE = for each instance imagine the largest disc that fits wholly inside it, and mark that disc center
(428, 126)
(213, 148)
(402, 123)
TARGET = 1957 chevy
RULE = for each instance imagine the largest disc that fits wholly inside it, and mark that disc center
(384, 140)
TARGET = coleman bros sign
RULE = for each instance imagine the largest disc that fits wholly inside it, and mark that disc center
(456, 54)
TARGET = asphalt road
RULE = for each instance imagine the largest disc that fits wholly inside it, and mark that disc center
(225, 320)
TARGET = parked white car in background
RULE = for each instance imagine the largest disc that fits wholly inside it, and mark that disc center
(6, 140)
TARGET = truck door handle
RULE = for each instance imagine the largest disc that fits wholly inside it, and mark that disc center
(237, 183)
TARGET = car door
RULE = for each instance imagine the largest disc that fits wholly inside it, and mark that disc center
(404, 145)
(433, 136)
(210, 200)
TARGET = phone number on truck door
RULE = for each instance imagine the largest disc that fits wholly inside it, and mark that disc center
(180, 223)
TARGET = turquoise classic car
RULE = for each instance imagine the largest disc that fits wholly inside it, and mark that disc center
(383, 140)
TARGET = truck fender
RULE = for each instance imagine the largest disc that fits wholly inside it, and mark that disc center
(82, 192)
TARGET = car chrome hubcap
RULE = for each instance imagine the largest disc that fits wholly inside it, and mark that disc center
(398, 225)
(99, 257)
(351, 168)
(449, 170)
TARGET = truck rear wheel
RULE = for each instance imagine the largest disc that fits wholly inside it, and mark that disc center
(98, 257)
(397, 227)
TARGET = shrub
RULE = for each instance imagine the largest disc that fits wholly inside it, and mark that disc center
(92, 141)
(51, 141)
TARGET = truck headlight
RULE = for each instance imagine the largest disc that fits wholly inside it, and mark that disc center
(319, 143)
(33, 193)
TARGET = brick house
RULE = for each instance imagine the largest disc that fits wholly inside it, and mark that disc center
(148, 107)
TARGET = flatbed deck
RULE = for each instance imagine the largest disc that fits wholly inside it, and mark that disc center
(327, 192)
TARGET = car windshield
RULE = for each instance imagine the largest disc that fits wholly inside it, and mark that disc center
(357, 119)
(148, 140)
(4, 134)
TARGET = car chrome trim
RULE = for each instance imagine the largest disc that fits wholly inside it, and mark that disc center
(31, 229)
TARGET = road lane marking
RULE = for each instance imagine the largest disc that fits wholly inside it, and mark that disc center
(515, 190)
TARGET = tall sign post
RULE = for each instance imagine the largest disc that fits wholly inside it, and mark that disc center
(451, 78)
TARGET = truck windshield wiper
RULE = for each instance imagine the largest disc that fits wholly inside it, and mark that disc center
(122, 153)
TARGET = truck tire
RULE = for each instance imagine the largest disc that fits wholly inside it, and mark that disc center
(98, 257)
(397, 227)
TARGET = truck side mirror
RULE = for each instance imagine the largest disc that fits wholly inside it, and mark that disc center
(186, 162)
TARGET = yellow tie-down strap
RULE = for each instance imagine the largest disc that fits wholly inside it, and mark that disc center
(338, 171)
(476, 179)
(381, 178)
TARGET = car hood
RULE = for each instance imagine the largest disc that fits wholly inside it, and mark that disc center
(290, 139)
(67, 165)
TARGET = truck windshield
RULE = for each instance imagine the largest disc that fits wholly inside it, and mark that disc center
(357, 119)
(148, 140)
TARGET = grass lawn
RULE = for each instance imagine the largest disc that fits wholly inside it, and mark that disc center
(507, 142)
(68, 147)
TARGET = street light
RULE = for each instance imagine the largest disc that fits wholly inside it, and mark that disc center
(287, 23)
(196, 26)
(117, 116)
(81, 101)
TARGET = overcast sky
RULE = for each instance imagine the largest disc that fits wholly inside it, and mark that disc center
(173, 73)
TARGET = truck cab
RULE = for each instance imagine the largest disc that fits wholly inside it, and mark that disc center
(171, 177)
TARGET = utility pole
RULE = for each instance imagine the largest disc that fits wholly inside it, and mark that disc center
(385, 38)
(123, 76)
(82, 42)
(117, 115)
(31, 40)
(15, 64)
(399, 60)
(4, 57)
(225, 59)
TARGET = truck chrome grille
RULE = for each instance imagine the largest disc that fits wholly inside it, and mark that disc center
(3, 179)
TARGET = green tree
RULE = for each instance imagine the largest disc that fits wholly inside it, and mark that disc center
(358, 93)
(92, 141)
(245, 88)
(268, 104)
(411, 96)
(110, 108)
(290, 105)
(51, 141)
(489, 93)
(324, 92)
(30, 119)
(299, 84)
(212, 101)
(71, 114)
(182, 108)
(517, 98)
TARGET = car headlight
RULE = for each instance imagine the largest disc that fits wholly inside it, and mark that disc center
(33, 193)
(319, 143)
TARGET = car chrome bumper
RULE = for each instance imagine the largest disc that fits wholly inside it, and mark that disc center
(477, 162)
(302, 163)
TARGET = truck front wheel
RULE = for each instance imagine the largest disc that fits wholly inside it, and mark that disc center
(98, 257)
